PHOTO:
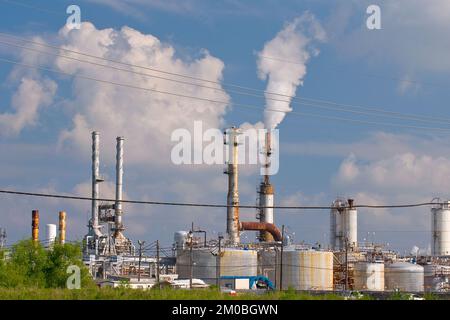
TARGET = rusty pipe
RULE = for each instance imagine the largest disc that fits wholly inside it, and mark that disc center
(62, 227)
(35, 225)
(262, 226)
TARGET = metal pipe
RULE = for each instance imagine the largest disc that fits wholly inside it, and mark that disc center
(262, 226)
(95, 182)
(233, 189)
(35, 225)
(62, 227)
(119, 183)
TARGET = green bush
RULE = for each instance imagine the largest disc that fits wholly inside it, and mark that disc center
(29, 265)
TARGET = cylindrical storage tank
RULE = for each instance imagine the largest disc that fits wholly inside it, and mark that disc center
(237, 262)
(404, 276)
(306, 270)
(204, 265)
(343, 225)
(351, 226)
(50, 235)
(440, 228)
(436, 277)
(232, 262)
(267, 264)
(369, 276)
(180, 239)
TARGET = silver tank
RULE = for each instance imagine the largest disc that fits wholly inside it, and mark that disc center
(207, 266)
(436, 277)
(180, 239)
(404, 276)
(306, 270)
(440, 228)
(267, 264)
(343, 225)
(369, 276)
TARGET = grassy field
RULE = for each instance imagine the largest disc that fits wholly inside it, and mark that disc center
(155, 294)
(169, 294)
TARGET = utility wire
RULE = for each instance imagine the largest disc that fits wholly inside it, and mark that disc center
(447, 130)
(365, 74)
(187, 204)
(369, 109)
(330, 105)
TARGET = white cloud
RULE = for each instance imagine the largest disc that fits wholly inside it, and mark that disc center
(146, 119)
(413, 36)
(30, 96)
(402, 173)
(408, 84)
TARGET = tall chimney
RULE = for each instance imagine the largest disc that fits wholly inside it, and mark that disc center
(233, 192)
(35, 225)
(266, 193)
(62, 227)
(119, 182)
(95, 182)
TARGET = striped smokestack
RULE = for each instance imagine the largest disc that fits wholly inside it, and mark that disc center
(62, 227)
(35, 225)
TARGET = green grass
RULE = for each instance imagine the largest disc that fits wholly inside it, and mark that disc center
(154, 294)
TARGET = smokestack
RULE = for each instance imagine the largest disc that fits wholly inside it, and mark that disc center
(35, 225)
(119, 182)
(266, 214)
(62, 227)
(266, 193)
(233, 192)
(95, 182)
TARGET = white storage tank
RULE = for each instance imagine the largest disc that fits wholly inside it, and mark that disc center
(404, 276)
(207, 266)
(50, 235)
(306, 270)
(440, 230)
(204, 264)
(436, 277)
(238, 262)
(267, 264)
(369, 276)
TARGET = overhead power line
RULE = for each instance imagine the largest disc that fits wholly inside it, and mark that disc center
(210, 205)
(446, 130)
(371, 75)
(329, 105)
(240, 87)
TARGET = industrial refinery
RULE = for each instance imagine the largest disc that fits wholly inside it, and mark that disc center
(272, 262)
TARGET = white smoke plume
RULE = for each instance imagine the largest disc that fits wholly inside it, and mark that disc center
(283, 63)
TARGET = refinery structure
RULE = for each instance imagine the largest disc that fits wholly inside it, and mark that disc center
(273, 261)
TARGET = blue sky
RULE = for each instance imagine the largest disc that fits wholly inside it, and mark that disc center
(402, 68)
